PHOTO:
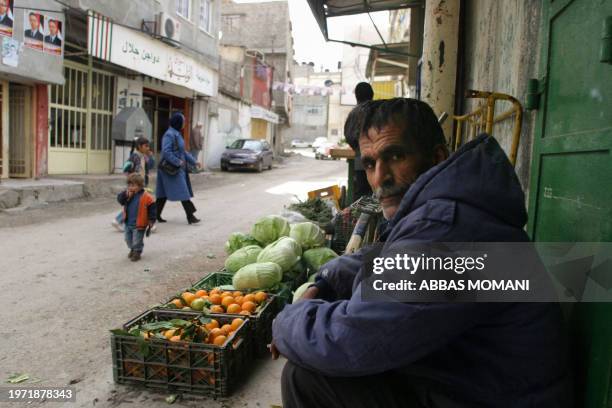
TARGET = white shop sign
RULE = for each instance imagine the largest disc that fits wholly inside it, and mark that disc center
(258, 112)
(141, 53)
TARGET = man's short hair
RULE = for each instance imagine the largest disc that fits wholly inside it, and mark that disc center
(136, 179)
(364, 92)
(415, 118)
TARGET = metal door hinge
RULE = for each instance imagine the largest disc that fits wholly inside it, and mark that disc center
(605, 52)
(535, 88)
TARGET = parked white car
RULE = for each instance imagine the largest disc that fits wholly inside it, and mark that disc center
(322, 151)
(318, 142)
(298, 143)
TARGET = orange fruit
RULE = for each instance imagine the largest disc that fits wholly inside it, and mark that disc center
(169, 333)
(234, 308)
(226, 328)
(200, 293)
(236, 323)
(227, 300)
(213, 324)
(188, 297)
(245, 312)
(206, 298)
(215, 291)
(261, 297)
(217, 309)
(215, 299)
(175, 338)
(219, 340)
(178, 303)
(249, 306)
(239, 300)
(215, 332)
(237, 293)
(249, 298)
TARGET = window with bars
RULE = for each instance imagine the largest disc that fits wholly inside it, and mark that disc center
(183, 8)
(206, 15)
(68, 110)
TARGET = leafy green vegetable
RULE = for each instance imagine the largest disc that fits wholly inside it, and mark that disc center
(270, 228)
(262, 275)
(238, 240)
(307, 234)
(315, 210)
(299, 292)
(284, 252)
(317, 257)
(242, 257)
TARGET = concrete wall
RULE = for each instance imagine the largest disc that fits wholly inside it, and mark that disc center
(34, 65)
(198, 43)
(230, 123)
(309, 117)
(501, 50)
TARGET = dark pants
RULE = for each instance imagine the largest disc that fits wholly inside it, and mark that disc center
(302, 388)
(134, 238)
(187, 206)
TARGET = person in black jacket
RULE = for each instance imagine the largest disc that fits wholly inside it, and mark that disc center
(5, 20)
(53, 37)
(34, 31)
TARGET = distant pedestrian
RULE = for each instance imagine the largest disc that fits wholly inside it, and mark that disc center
(172, 176)
(140, 161)
(139, 213)
(363, 94)
(195, 141)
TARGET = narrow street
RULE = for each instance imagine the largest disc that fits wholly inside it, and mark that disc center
(66, 281)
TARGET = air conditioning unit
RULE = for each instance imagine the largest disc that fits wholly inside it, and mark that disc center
(168, 27)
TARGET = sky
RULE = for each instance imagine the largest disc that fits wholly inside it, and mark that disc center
(309, 44)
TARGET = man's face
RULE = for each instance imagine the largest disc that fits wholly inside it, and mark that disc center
(3, 6)
(391, 165)
(34, 23)
(52, 28)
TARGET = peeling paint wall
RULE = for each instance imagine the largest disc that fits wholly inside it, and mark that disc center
(501, 53)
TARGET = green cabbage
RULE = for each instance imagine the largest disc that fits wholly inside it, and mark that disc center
(307, 234)
(270, 228)
(238, 240)
(299, 292)
(317, 257)
(312, 277)
(264, 275)
(284, 252)
(242, 257)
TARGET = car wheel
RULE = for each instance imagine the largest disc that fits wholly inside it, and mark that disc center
(223, 168)
(270, 166)
(260, 166)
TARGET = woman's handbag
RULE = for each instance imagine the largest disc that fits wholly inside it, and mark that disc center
(167, 167)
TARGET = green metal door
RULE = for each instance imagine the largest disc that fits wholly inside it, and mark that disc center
(571, 185)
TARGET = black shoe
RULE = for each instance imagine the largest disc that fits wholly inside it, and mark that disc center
(131, 254)
(135, 257)
(160, 219)
(192, 220)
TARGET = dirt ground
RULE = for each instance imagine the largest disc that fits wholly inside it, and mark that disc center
(66, 281)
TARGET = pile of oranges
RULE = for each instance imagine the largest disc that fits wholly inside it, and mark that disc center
(209, 333)
(221, 301)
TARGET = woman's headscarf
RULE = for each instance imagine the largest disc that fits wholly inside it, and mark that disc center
(177, 120)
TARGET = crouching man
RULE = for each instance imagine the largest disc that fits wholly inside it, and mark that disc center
(346, 352)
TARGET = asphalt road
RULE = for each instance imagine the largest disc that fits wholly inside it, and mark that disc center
(66, 281)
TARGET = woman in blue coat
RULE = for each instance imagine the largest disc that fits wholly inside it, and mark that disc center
(175, 187)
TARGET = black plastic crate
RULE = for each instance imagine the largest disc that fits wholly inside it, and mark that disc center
(181, 367)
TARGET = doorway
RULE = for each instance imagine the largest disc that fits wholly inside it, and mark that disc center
(19, 135)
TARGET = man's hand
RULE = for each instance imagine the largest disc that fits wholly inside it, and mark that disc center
(311, 293)
(274, 351)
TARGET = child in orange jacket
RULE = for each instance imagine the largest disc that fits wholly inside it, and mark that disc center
(139, 213)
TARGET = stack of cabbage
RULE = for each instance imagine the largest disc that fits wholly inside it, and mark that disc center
(274, 249)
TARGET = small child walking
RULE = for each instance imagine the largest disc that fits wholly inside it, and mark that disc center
(139, 214)
(140, 161)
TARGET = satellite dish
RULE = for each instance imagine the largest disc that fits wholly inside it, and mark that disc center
(329, 83)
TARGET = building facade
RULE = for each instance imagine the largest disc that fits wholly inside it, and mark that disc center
(27, 66)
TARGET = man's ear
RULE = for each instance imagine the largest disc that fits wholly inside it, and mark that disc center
(440, 153)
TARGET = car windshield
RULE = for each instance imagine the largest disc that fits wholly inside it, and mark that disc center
(247, 144)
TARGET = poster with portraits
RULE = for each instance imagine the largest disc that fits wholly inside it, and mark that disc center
(6, 18)
(53, 41)
(33, 32)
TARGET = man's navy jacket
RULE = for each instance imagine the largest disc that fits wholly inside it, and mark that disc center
(459, 354)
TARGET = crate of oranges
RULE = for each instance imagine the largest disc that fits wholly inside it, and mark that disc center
(260, 307)
(182, 352)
